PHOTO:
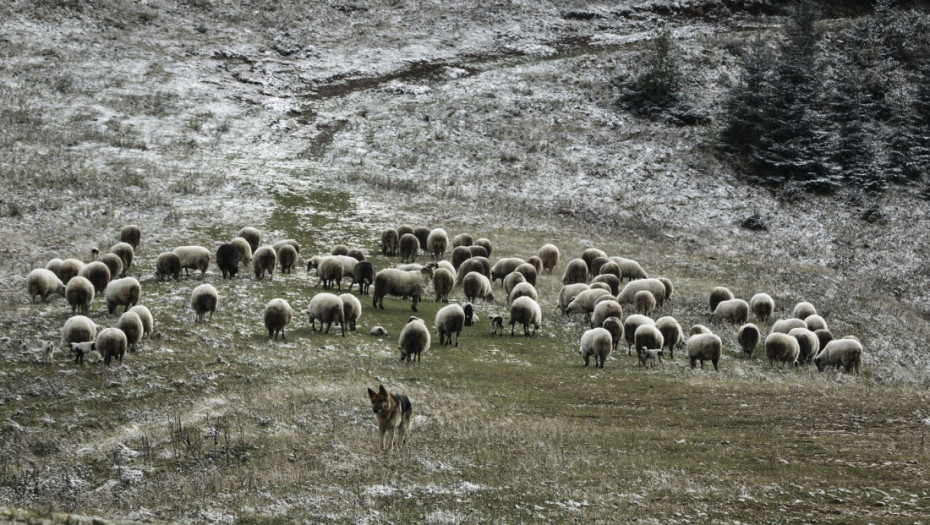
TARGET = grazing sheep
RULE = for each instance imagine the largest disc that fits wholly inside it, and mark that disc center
(610, 268)
(124, 251)
(808, 344)
(669, 287)
(287, 258)
(356, 254)
(600, 286)
(288, 242)
(748, 337)
(364, 275)
(470, 317)
(735, 311)
(329, 309)
(414, 339)
(436, 243)
(526, 311)
(378, 331)
(443, 264)
(654, 286)
(264, 260)
(597, 264)
(840, 352)
(576, 271)
(604, 309)
(348, 265)
(815, 322)
(762, 306)
(443, 281)
(630, 325)
(718, 295)
(79, 292)
(612, 282)
(523, 290)
(244, 249)
(649, 357)
(477, 251)
(463, 239)
(704, 347)
(644, 302)
(409, 248)
(536, 262)
(252, 236)
(69, 268)
(168, 264)
(497, 324)
(529, 272)
(672, 334)
(589, 254)
(145, 315)
(351, 310)
(803, 310)
(647, 337)
(399, 283)
(405, 229)
(125, 291)
(824, 336)
(203, 300)
(278, 313)
(114, 264)
(615, 326)
(54, 265)
(504, 266)
(484, 243)
(131, 325)
(782, 347)
(112, 344)
(584, 302)
(422, 235)
(476, 286)
(475, 264)
(449, 320)
(389, 242)
(329, 270)
(460, 254)
(193, 257)
(339, 249)
(76, 330)
(784, 326)
(513, 279)
(43, 283)
(549, 254)
(699, 329)
(227, 259)
(131, 235)
(596, 342)
(630, 269)
(98, 274)
(569, 292)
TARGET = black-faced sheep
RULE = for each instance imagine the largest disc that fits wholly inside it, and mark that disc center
(463, 239)
(227, 259)
(735, 311)
(484, 243)
(762, 306)
(526, 311)
(815, 322)
(647, 337)
(414, 340)
(378, 331)
(630, 269)
(644, 302)
(549, 254)
(125, 291)
(470, 317)
(654, 286)
(339, 249)
(131, 325)
(389, 242)
(615, 326)
(399, 283)
(672, 334)
(54, 265)
(43, 283)
(529, 272)
(351, 310)
(168, 265)
(288, 242)
(409, 248)
(193, 257)
(523, 290)
(245, 250)
(782, 347)
(79, 292)
(630, 325)
(98, 274)
(277, 315)
(364, 275)
(443, 281)
(76, 330)
(840, 352)
(504, 266)
(748, 338)
(649, 357)
(436, 243)
(460, 254)
(584, 302)
(476, 286)
(131, 235)
(329, 309)
(204, 299)
(704, 347)
(605, 309)
(596, 342)
(422, 235)
(287, 258)
(576, 271)
(612, 282)
(783, 326)
(803, 310)
(68, 269)
(264, 260)
(808, 344)
(478, 251)
(497, 324)
(569, 292)
(114, 263)
(124, 251)
(145, 315)
(112, 344)
(252, 236)
(449, 320)
(718, 295)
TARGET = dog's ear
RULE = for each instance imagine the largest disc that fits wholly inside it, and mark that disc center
(371, 394)
(381, 390)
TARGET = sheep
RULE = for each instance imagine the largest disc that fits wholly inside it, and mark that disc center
(596, 264)
(79, 292)
(406, 228)
(784, 326)
(196, 257)
(735, 311)
(630, 269)
(523, 290)
(422, 235)
(227, 259)
(131, 325)
(463, 239)
(584, 302)
(596, 342)
(69, 268)
(699, 329)
(529, 272)
(114, 263)
(815, 322)
(475, 286)
(669, 287)
(569, 292)
(549, 255)
(654, 286)
(644, 302)
(168, 264)
(615, 326)
(497, 324)
(264, 260)
(475, 264)
(600, 286)
(98, 274)
(77, 330)
(131, 235)
(470, 317)
(43, 283)
(477, 251)
(124, 251)
(443, 281)
(203, 300)
(803, 310)
(576, 271)
(252, 236)
(389, 242)
(357, 254)
(671, 333)
(630, 325)
(145, 315)
(277, 315)
(589, 254)
(762, 306)
(824, 336)
(436, 243)
(840, 352)
(460, 254)
(391, 281)
(378, 331)
(329, 309)
(351, 310)
(484, 243)
(536, 262)
(748, 337)
(612, 282)
(288, 242)
(449, 319)
(409, 248)
(414, 339)
(244, 249)
(504, 266)
(610, 268)
(647, 337)
(125, 291)
(287, 258)
(604, 309)
(111, 343)
(808, 344)
(513, 279)
(526, 311)
(650, 357)
(330, 271)
(782, 347)
(84, 349)
(348, 265)
(339, 249)
(54, 265)
(718, 295)
(443, 264)
(704, 347)
(364, 275)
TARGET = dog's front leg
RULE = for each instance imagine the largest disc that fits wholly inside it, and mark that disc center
(391, 442)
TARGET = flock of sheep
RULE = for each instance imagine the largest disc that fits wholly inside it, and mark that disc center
(595, 286)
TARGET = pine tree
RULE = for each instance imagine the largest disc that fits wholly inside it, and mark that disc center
(856, 152)
(747, 103)
(657, 87)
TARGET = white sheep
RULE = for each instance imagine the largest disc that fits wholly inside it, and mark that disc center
(653, 286)
(43, 283)
(114, 263)
(277, 316)
(78, 329)
(131, 325)
(612, 282)
(504, 266)
(669, 287)
(783, 326)
(204, 299)
(584, 302)
(840, 352)
(252, 236)
(449, 320)
(672, 333)
(264, 259)
(399, 283)
(329, 309)
(122, 292)
(98, 274)
(630, 325)
(125, 253)
(389, 242)
(422, 235)
(167, 265)
(409, 247)
(615, 326)
(351, 310)
(704, 347)
(330, 271)
(576, 271)
(605, 309)
(536, 262)
(54, 265)
(112, 344)
(287, 257)
(699, 329)
(443, 281)
(148, 322)
(610, 268)
(526, 311)
(71, 267)
(762, 306)
(718, 294)
(630, 269)
(463, 239)
(588, 256)
(596, 342)
(244, 249)
(803, 310)
(513, 279)
(475, 264)
(815, 322)
(644, 302)
(436, 243)
(782, 347)
(523, 290)
(288, 242)
(79, 292)
(193, 257)
(131, 235)
(748, 338)
(735, 311)
(475, 286)
(808, 344)
(528, 271)
(484, 243)
(414, 339)
(569, 292)
(460, 254)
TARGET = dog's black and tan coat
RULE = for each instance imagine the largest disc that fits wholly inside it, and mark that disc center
(393, 413)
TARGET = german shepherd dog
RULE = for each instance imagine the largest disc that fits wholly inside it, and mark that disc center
(393, 413)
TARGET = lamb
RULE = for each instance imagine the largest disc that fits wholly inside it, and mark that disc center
(504, 266)
(69, 268)
(148, 322)
(378, 331)
(782, 347)
(584, 302)
(669, 287)
(389, 242)
(339, 249)
(79, 292)
(391, 281)
(43, 283)
(443, 281)
(460, 254)
(529, 272)
(264, 260)
(644, 302)
(762, 306)
(329, 309)
(168, 264)
(475, 286)
(54, 265)
(463, 239)
(196, 257)
(414, 339)
(735, 311)
(470, 317)
(131, 235)
(605, 309)
(784, 326)
(409, 248)
(277, 315)
(364, 275)
(671, 333)
(244, 249)
(615, 326)
(815, 322)
(612, 282)
(526, 311)
(449, 319)
(478, 251)
(808, 344)
(98, 274)
(649, 357)
(630, 325)
(351, 310)
(203, 300)
(576, 271)
(497, 324)
(436, 243)
(549, 254)
(422, 235)
(589, 254)
(824, 336)
(114, 263)
(630, 269)
(111, 343)
(569, 292)
(131, 325)
(513, 279)
(85, 349)
(718, 295)
(484, 243)
(536, 262)
(748, 337)
(475, 264)
(596, 342)
(287, 242)
(654, 286)
(523, 290)
(610, 268)
(803, 310)
(125, 291)
(227, 259)
(252, 236)
(124, 251)
(840, 352)
(647, 337)
(704, 347)
(699, 329)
